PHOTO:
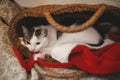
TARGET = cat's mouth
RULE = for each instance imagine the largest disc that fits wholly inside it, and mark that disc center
(36, 52)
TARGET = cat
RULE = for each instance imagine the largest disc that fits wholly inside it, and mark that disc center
(35, 39)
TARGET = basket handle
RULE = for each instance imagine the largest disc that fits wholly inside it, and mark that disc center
(81, 27)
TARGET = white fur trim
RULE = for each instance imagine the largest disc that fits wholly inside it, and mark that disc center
(89, 35)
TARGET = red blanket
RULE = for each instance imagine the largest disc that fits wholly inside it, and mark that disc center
(101, 61)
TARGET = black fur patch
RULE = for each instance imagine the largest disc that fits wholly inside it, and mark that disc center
(99, 44)
(38, 32)
(31, 32)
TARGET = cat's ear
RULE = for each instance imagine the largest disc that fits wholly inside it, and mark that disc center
(25, 30)
(45, 32)
(38, 32)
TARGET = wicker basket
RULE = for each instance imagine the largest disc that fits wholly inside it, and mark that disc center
(60, 17)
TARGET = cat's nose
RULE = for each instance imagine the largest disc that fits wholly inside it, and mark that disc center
(32, 50)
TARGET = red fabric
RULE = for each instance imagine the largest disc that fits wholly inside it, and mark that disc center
(28, 64)
(101, 61)
(53, 64)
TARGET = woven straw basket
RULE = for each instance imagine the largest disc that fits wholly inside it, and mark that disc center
(60, 17)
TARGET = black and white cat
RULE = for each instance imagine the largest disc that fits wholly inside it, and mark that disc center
(38, 41)
(35, 39)
(38, 38)
(43, 40)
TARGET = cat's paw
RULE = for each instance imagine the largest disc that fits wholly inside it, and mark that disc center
(39, 55)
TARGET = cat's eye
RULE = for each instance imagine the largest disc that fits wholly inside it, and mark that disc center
(28, 42)
(37, 43)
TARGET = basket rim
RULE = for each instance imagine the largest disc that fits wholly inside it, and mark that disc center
(58, 9)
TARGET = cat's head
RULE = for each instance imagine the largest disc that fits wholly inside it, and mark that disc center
(34, 39)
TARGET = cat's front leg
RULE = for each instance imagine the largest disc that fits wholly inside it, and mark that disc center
(43, 53)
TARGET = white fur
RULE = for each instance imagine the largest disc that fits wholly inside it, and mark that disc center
(89, 35)
(52, 34)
